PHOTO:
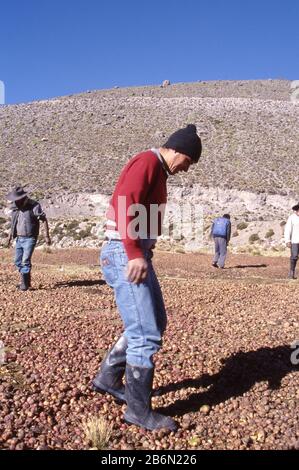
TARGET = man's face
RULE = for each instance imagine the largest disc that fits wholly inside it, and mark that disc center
(21, 202)
(180, 162)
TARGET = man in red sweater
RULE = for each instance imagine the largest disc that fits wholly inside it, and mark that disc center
(127, 267)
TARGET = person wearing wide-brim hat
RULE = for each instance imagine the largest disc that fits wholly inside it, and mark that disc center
(291, 235)
(25, 222)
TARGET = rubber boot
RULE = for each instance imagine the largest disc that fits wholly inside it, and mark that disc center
(18, 286)
(25, 277)
(109, 377)
(139, 382)
(293, 263)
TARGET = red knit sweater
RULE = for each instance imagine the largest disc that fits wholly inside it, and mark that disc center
(142, 181)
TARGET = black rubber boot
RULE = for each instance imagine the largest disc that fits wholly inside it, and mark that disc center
(293, 263)
(109, 377)
(139, 382)
(25, 279)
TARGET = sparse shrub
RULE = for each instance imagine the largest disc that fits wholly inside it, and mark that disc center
(97, 433)
(270, 233)
(57, 230)
(261, 218)
(2, 220)
(71, 225)
(179, 249)
(37, 195)
(282, 223)
(278, 249)
(253, 238)
(242, 226)
(216, 121)
(235, 234)
(85, 233)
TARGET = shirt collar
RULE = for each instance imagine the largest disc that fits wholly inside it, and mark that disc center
(162, 160)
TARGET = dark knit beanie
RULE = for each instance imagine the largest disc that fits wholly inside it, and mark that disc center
(185, 141)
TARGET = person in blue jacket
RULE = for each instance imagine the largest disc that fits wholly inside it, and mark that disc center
(221, 232)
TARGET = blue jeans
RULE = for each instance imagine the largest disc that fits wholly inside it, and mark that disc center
(24, 250)
(141, 306)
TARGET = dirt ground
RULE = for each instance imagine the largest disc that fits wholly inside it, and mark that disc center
(227, 372)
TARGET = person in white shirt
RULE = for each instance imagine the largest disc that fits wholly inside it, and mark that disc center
(291, 235)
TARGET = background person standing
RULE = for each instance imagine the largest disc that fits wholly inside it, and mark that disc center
(25, 222)
(291, 235)
(221, 232)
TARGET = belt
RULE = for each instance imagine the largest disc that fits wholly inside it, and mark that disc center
(112, 239)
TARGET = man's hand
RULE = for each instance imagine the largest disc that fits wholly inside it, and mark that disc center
(137, 270)
(289, 244)
(48, 240)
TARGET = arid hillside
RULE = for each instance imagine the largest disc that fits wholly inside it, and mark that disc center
(78, 143)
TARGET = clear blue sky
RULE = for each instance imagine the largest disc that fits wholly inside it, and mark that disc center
(59, 47)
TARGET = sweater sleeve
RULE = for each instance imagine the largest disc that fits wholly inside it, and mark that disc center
(134, 190)
(288, 230)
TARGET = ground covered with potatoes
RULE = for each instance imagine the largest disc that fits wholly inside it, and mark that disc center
(227, 372)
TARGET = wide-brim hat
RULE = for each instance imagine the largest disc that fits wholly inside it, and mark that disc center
(16, 194)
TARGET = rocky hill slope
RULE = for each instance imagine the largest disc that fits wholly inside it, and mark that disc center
(77, 145)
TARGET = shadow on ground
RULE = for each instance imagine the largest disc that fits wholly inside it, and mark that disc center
(81, 283)
(243, 266)
(238, 375)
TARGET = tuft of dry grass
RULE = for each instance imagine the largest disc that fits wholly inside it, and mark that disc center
(97, 432)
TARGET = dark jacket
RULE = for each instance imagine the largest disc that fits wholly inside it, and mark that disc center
(25, 222)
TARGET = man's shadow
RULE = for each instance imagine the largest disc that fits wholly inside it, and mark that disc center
(243, 266)
(81, 283)
(240, 372)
